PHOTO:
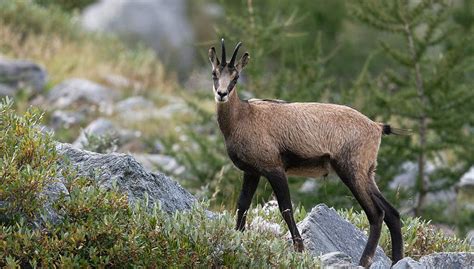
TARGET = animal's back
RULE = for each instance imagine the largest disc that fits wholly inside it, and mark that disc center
(315, 129)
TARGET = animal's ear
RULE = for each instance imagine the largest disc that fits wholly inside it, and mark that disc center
(244, 60)
(213, 58)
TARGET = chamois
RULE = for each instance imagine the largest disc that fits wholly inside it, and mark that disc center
(274, 138)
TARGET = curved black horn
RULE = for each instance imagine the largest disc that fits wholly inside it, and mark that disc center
(231, 63)
(223, 60)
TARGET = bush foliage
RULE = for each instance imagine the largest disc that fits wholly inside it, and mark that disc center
(27, 163)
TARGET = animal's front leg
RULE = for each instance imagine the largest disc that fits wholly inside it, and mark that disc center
(279, 184)
(245, 199)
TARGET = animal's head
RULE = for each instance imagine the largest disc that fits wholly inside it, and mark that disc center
(225, 74)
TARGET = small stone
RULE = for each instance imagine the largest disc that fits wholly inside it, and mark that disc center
(21, 74)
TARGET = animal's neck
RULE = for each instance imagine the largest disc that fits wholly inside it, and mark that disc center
(228, 113)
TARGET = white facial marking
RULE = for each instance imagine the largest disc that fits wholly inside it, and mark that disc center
(221, 95)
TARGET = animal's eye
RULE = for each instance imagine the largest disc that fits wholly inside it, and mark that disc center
(214, 75)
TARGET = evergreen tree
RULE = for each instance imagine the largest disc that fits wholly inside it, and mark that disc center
(428, 87)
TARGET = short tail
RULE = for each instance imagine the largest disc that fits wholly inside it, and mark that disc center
(388, 130)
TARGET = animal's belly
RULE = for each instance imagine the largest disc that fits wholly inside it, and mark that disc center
(318, 171)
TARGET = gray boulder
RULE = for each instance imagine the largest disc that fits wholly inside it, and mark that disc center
(443, 260)
(74, 93)
(129, 176)
(102, 127)
(21, 74)
(163, 24)
(324, 231)
(135, 109)
(66, 119)
(134, 103)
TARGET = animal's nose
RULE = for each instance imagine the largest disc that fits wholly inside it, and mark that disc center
(222, 94)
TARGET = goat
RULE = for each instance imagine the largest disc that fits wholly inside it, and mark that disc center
(274, 138)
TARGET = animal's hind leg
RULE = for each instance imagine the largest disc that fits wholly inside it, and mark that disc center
(392, 219)
(358, 183)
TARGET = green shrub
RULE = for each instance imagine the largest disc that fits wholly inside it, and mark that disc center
(67, 5)
(27, 163)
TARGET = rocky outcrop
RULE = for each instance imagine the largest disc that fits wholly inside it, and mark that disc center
(119, 170)
(129, 176)
(444, 260)
(81, 94)
(21, 74)
(324, 231)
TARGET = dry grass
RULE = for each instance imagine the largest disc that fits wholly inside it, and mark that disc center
(90, 57)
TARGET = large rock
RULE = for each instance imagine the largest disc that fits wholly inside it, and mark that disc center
(134, 103)
(66, 119)
(129, 176)
(443, 260)
(134, 109)
(102, 127)
(81, 93)
(324, 231)
(20, 74)
(163, 24)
